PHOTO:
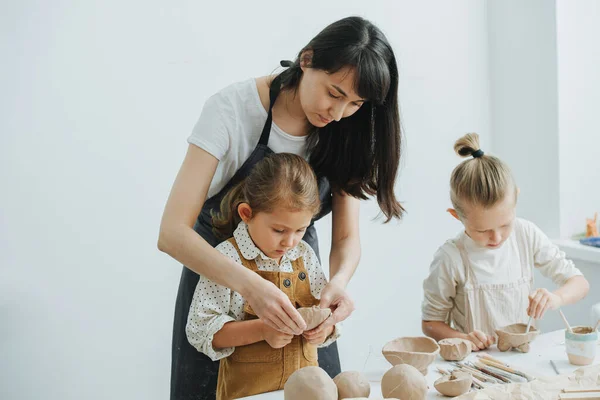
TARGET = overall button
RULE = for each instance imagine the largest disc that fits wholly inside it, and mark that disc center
(287, 283)
(302, 276)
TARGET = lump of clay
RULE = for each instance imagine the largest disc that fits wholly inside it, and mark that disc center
(454, 385)
(404, 382)
(310, 383)
(514, 336)
(454, 349)
(314, 316)
(352, 384)
(416, 351)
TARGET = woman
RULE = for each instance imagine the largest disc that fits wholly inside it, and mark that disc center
(337, 104)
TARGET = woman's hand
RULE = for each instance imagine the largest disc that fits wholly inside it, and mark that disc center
(273, 307)
(334, 296)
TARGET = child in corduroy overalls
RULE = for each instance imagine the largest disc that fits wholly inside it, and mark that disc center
(267, 213)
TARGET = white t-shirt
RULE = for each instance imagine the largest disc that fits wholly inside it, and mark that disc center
(527, 246)
(229, 128)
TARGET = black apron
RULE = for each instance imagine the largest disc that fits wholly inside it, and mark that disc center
(193, 374)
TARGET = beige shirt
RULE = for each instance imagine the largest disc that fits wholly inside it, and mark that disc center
(447, 275)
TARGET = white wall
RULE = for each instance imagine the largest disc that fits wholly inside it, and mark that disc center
(97, 101)
(522, 49)
(578, 31)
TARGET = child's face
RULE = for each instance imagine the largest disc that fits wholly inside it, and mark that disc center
(492, 226)
(276, 232)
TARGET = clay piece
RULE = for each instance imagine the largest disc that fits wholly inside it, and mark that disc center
(454, 349)
(514, 337)
(453, 385)
(310, 383)
(404, 382)
(416, 351)
(352, 384)
(314, 316)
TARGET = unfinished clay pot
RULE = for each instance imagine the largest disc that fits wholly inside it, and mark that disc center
(314, 316)
(454, 349)
(456, 384)
(310, 383)
(405, 382)
(514, 336)
(416, 351)
(352, 384)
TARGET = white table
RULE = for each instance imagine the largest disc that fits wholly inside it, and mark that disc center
(548, 346)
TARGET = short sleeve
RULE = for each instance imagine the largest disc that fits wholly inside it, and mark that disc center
(439, 288)
(213, 129)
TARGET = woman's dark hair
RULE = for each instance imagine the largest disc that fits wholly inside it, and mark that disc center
(360, 154)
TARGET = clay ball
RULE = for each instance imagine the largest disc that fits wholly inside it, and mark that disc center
(310, 383)
(404, 382)
(352, 384)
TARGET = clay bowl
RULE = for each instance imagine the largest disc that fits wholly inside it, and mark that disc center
(454, 349)
(314, 316)
(416, 351)
(454, 385)
(514, 336)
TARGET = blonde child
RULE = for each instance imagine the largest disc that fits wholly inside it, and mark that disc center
(483, 278)
(267, 214)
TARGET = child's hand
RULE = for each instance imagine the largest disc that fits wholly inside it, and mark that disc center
(542, 300)
(316, 336)
(274, 338)
(480, 340)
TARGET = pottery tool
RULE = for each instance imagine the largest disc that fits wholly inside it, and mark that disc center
(510, 376)
(528, 324)
(506, 370)
(490, 373)
(475, 373)
(485, 355)
(554, 367)
(484, 376)
(505, 367)
(479, 375)
(580, 396)
(582, 389)
(565, 320)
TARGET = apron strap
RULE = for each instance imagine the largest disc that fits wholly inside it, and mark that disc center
(250, 264)
(273, 93)
(469, 278)
(298, 265)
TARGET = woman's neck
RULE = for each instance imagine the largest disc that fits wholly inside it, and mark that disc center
(289, 115)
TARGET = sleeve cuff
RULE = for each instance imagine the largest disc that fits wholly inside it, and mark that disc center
(337, 332)
(202, 339)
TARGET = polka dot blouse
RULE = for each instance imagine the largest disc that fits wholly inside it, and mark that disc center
(214, 305)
